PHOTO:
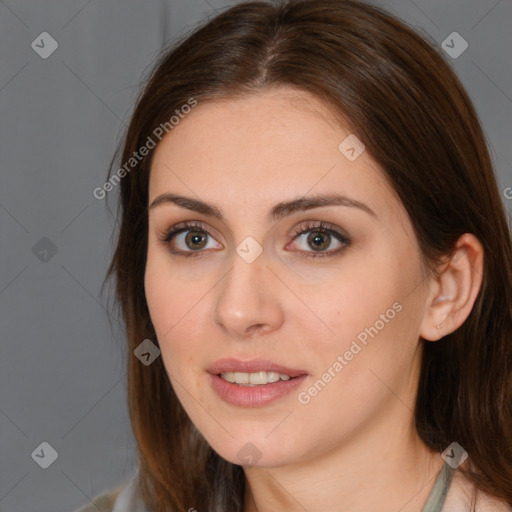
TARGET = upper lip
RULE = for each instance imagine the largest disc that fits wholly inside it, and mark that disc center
(251, 366)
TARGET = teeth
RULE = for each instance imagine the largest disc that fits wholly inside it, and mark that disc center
(253, 379)
(229, 376)
(263, 377)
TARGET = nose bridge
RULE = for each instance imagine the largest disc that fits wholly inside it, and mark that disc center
(246, 297)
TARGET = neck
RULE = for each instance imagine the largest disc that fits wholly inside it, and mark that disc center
(391, 471)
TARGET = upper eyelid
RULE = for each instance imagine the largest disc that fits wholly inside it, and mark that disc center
(303, 227)
(306, 226)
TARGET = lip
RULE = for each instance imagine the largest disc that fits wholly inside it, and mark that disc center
(253, 396)
(251, 366)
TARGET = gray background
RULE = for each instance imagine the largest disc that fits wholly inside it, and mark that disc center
(62, 365)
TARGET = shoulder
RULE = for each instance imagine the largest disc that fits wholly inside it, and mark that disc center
(104, 502)
(461, 495)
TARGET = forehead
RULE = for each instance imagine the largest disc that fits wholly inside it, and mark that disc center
(262, 149)
(236, 129)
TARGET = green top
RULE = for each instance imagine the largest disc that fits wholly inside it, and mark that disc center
(438, 494)
(125, 498)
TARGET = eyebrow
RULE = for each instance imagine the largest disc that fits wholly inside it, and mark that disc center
(277, 212)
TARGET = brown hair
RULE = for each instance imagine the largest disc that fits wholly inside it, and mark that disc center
(408, 107)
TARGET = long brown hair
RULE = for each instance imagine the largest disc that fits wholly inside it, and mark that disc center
(408, 107)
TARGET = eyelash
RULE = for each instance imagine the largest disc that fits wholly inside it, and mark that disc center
(320, 227)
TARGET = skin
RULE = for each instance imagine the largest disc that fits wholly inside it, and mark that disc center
(354, 445)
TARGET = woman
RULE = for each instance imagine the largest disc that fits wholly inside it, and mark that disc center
(314, 250)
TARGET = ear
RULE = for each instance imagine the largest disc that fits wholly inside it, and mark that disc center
(453, 293)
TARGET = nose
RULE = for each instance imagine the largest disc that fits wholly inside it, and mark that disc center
(248, 299)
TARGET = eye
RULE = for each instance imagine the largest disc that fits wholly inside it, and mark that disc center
(192, 237)
(320, 238)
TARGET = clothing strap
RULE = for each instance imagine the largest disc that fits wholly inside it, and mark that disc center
(437, 497)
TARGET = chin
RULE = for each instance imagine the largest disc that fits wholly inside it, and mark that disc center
(254, 451)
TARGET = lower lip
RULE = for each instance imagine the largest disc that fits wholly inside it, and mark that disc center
(254, 396)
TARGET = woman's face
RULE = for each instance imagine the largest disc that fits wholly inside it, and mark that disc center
(341, 310)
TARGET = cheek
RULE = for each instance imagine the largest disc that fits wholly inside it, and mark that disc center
(177, 307)
(170, 298)
(336, 310)
(368, 315)
(158, 289)
(165, 312)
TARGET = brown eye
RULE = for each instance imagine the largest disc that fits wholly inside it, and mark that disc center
(193, 239)
(319, 239)
(187, 239)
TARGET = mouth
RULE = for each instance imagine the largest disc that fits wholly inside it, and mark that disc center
(253, 383)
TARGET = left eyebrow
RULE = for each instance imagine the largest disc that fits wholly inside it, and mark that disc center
(277, 212)
(283, 209)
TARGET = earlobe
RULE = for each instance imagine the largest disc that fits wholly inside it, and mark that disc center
(436, 321)
(454, 291)
(441, 298)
